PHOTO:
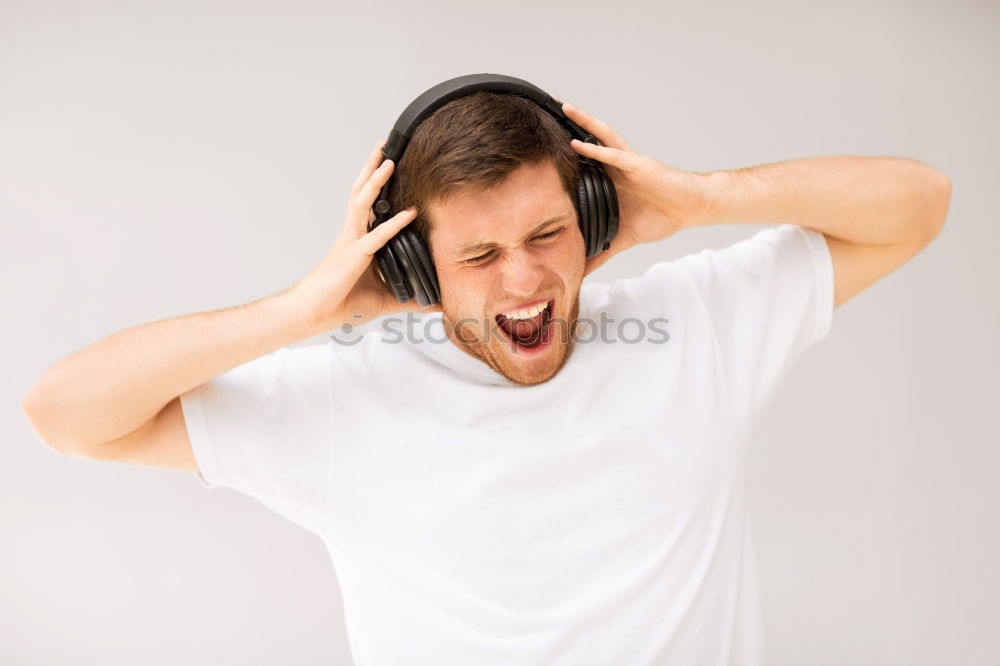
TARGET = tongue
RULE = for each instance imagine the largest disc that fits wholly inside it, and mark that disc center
(525, 331)
(525, 328)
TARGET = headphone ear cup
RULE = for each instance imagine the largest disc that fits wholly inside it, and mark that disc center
(609, 198)
(583, 211)
(390, 271)
(413, 268)
(423, 254)
(600, 211)
(589, 195)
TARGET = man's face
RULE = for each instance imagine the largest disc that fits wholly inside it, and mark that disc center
(501, 254)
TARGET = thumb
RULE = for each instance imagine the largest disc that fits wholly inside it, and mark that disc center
(380, 235)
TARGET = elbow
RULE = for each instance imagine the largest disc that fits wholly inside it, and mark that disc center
(32, 407)
(938, 200)
(35, 408)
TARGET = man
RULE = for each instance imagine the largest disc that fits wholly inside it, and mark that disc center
(502, 485)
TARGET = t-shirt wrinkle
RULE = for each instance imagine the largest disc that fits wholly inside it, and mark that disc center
(601, 517)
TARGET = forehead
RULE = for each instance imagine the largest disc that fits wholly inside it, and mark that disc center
(503, 214)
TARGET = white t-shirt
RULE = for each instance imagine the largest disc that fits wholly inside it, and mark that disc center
(598, 518)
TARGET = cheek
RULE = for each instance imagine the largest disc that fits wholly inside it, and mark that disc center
(573, 251)
(576, 240)
(461, 293)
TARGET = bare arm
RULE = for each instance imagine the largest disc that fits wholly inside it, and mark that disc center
(118, 399)
(864, 200)
(118, 384)
(876, 212)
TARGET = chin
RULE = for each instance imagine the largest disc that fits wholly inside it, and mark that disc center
(540, 359)
(534, 370)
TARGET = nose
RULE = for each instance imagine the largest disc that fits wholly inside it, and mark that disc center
(522, 273)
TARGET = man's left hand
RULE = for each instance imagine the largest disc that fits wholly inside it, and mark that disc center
(654, 200)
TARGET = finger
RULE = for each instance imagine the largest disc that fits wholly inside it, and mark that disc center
(602, 131)
(381, 234)
(621, 159)
(364, 199)
(370, 165)
(359, 206)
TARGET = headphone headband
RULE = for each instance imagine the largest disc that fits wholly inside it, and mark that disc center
(404, 263)
(436, 97)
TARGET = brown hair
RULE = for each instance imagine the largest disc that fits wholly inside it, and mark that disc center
(478, 140)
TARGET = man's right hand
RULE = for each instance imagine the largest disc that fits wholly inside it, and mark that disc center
(343, 288)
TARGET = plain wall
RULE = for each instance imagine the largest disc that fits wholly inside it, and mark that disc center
(162, 158)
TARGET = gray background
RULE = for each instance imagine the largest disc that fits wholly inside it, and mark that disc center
(161, 158)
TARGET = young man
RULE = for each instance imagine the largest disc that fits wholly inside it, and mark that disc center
(501, 485)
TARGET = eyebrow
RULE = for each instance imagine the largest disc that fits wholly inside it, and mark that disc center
(489, 245)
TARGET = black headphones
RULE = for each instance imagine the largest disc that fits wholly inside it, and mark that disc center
(404, 263)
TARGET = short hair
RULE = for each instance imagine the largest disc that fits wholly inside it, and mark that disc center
(478, 140)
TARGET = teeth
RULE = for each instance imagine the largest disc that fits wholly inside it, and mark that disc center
(526, 314)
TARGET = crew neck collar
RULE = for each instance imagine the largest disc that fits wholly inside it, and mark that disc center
(442, 349)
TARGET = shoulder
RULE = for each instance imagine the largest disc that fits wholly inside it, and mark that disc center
(660, 286)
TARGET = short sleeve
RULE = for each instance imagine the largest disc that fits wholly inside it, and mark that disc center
(769, 298)
(264, 428)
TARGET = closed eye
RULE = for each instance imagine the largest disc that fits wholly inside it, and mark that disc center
(550, 234)
(483, 258)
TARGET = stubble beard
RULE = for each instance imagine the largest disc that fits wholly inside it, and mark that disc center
(496, 351)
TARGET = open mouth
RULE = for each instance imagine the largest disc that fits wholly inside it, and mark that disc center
(528, 333)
